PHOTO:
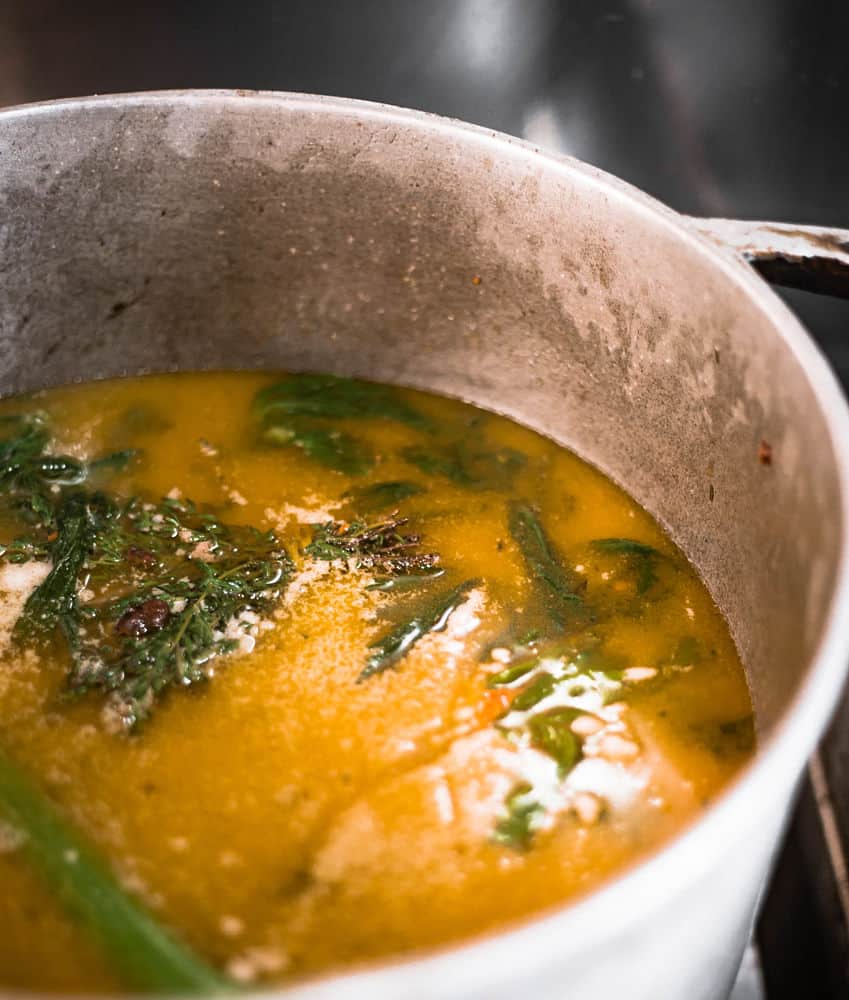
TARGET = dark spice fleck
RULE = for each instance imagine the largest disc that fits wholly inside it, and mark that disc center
(141, 557)
(765, 453)
(148, 617)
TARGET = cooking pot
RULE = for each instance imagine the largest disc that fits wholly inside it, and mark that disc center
(206, 230)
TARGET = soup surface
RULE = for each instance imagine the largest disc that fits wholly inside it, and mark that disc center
(456, 676)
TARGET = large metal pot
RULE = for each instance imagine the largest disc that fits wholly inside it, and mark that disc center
(229, 230)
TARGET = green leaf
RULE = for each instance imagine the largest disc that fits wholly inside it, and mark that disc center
(521, 818)
(379, 496)
(540, 687)
(410, 581)
(146, 955)
(117, 461)
(508, 676)
(467, 465)
(626, 546)
(560, 588)
(551, 732)
(431, 617)
(687, 651)
(54, 600)
(333, 397)
(643, 558)
(332, 448)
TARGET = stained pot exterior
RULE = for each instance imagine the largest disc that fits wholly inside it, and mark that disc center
(236, 230)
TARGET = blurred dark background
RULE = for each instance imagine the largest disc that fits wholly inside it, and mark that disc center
(717, 107)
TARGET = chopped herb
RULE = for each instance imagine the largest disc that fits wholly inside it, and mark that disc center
(540, 687)
(410, 581)
(381, 547)
(379, 496)
(560, 588)
(465, 465)
(642, 558)
(551, 732)
(329, 447)
(127, 549)
(521, 819)
(431, 617)
(79, 519)
(300, 411)
(687, 651)
(333, 397)
(144, 953)
(509, 675)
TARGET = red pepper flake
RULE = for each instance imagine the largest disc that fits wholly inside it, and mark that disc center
(476, 279)
(765, 453)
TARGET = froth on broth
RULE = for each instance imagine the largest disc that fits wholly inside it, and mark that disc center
(319, 671)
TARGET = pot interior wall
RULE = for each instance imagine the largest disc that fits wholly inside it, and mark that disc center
(210, 232)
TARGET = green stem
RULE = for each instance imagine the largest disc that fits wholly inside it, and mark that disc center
(145, 954)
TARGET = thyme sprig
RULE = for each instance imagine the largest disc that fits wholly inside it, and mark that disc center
(381, 547)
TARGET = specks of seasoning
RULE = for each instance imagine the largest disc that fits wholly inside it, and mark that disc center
(711, 493)
(476, 279)
(765, 453)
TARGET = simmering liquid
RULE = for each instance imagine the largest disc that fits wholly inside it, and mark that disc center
(476, 681)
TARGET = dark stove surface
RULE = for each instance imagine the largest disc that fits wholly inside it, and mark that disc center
(717, 107)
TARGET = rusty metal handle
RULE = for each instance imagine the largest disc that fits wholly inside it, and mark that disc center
(814, 258)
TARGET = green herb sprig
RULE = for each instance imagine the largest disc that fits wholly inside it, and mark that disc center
(431, 616)
(144, 953)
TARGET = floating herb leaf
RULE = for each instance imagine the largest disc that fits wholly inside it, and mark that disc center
(642, 558)
(509, 675)
(300, 411)
(551, 732)
(380, 546)
(466, 465)
(145, 954)
(79, 519)
(561, 590)
(333, 397)
(522, 817)
(688, 651)
(540, 687)
(329, 447)
(410, 581)
(432, 616)
(379, 496)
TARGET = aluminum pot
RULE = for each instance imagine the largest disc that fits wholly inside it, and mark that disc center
(159, 232)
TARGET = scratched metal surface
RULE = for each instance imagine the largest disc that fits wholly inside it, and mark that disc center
(720, 108)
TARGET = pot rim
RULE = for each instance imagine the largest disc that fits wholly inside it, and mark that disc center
(541, 940)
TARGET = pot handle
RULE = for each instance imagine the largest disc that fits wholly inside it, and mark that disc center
(814, 258)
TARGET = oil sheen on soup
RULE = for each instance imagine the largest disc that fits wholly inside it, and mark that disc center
(310, 671)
